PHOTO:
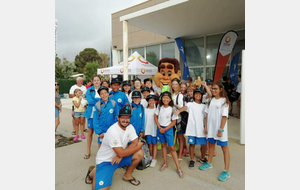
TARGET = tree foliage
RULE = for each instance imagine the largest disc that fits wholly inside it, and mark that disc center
(105, 60)
(90, 70)
(85, 56)
(58, 71)
(57, 60)
(67, 68)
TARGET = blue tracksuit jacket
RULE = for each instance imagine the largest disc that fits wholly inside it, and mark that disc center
(138, 118)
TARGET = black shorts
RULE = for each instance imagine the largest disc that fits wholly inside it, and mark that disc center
(237, 95)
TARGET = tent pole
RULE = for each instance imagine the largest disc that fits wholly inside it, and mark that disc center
(125, 49)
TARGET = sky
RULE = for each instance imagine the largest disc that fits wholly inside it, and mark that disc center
(85, 24)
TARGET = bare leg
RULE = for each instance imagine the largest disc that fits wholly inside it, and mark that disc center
(226, 157)
(174, 155)
(136, 159)
(202, 151)
(77, 126)
(211, 152)
(89, 140)
(81, 125)
(192, 149)
(181, 142)
(154, 151)
(74, 124)
(151, 149)
(164, 152)
(57, 122)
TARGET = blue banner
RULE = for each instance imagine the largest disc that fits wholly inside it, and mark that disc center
(234, 69)
(186, 72)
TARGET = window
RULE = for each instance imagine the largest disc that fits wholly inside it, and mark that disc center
(168, 50)
(152, 54)
(139, 50)
(194, 51)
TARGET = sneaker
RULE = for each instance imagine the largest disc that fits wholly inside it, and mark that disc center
(202, 161)
(191, 165)
(205, 166)
(82, 137)
(153, 163)
(224, 176)
(76, 138)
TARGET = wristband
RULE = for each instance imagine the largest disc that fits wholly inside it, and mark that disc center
(221, 130)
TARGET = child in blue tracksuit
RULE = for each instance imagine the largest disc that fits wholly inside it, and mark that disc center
(104, 114)
(116, 95)
(92, 97)
(138, 114)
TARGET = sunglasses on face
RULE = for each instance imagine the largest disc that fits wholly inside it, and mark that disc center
(56, 84)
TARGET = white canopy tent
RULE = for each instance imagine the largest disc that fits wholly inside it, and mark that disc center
(137, 65)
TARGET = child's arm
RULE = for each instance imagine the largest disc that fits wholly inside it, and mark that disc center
(77, 104)
(224, 119)
(207, 90)
(161, 130)
(205, 125)
(171, 125)
(178, 111)
(135, 146)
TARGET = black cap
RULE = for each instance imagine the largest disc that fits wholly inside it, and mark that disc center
(115, 80)
(151, 96)
(209, 81)
(166, 94)
(145, 88)
(126, 82)
(136, 94)
(198, 90)
(102, 88)
(147, 79)
(125, 110)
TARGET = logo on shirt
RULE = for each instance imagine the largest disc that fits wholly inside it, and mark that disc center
(158, 138)
(111, 111)
(101, 183)
(94, 109)
(140, 114)
(119, 100)
(115, 142)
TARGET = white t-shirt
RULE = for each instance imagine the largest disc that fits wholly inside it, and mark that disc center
(144, 103)
(96, 96)
(150, 125)
(180, 99)
(164, 115)
(195, 126)
(74, 87)
(215, 111)
(114, 137)
(239, 87)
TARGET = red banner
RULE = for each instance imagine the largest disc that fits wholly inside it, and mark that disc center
(225, 47)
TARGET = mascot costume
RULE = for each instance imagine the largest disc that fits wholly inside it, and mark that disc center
(168, 69)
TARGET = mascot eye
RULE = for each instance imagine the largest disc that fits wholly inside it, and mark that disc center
(169, 73)
(163, 73)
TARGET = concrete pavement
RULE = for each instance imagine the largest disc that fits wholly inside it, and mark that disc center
(71, 168)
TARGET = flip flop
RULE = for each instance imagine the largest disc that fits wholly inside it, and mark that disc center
(132, 180)
(88, 175)
(87, 156)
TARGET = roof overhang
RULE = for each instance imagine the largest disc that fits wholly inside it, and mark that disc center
(188, 18)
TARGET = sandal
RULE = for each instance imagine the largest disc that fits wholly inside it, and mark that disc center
(132, 181)
(169, 155)
(179, 160)
(87, 156)
(73, 132)
(88, 175)
(85, 130)
(163, 167)
(180, 173)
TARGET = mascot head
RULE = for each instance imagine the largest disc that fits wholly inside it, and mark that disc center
(168, 69)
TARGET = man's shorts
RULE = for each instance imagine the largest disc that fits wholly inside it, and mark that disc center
(105, 172)
(90, 123)
(219, 143)
(166, 137)
(196, 140)
(151, 140)
(79, 114)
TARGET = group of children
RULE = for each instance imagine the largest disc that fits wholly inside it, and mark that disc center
(154, 118)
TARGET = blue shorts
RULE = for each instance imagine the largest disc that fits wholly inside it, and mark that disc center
(151, 140)
(90, 123)
(105, 172)
(196, 140)
(99, 140)
(79, 114)
(166, 137)
(220, 143)
(56, 112)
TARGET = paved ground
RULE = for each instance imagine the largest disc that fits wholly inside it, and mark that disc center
(71, 168)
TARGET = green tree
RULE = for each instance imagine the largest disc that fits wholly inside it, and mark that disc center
(87, 55)
(105, 60)
(90, 70)
(67, 68)
(58, 71)
(57, 60)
